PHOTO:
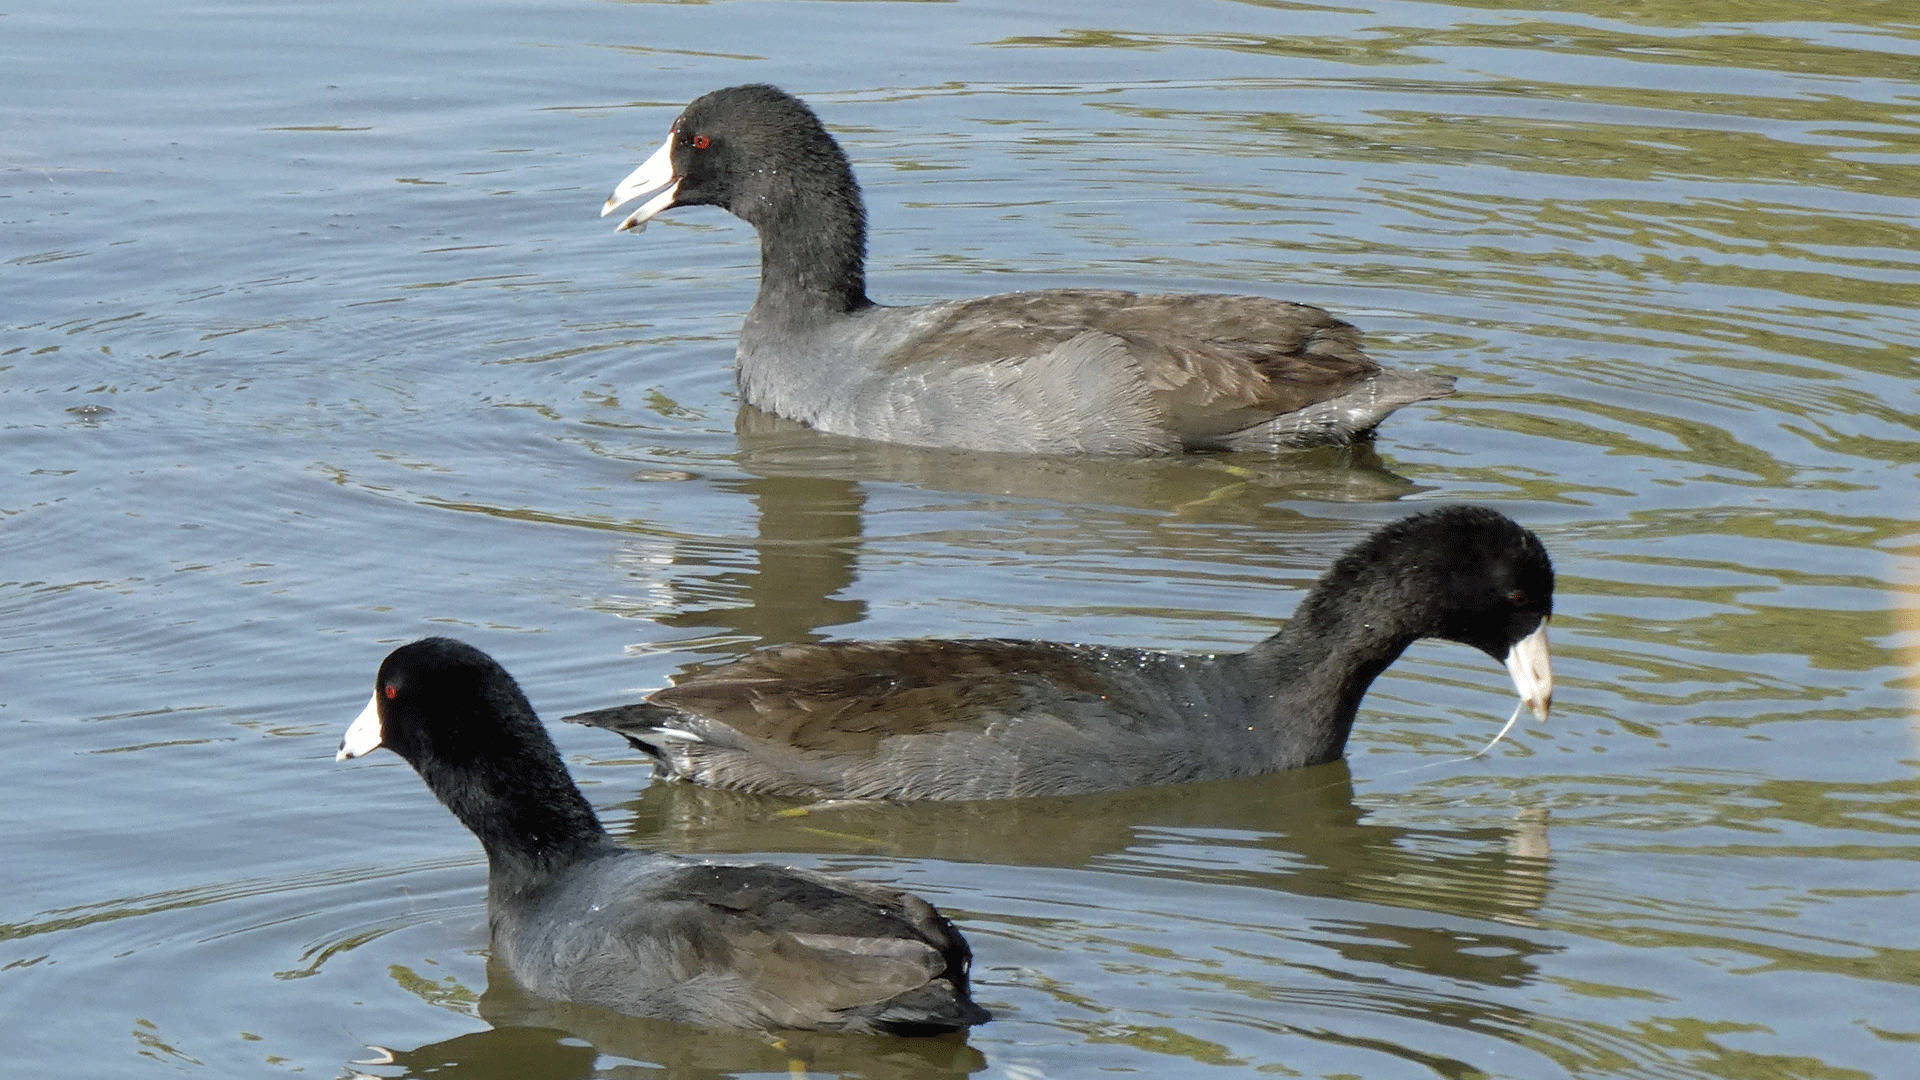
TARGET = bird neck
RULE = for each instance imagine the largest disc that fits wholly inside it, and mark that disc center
(813, 248)
(530, 821)
(1322, 664)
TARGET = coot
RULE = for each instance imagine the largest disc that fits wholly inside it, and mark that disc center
(1058, 371)
(576, 917)
(995, 719)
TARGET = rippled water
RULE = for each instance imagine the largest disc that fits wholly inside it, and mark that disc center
(310, 343)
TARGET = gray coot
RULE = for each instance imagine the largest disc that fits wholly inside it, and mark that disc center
(1059, 371)
(995, 719)
(576, 917)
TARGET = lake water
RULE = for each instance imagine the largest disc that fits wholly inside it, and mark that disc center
(311, 343)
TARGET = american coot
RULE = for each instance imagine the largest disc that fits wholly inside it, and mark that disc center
(576, 917)
(995, 719)
(1061, 371)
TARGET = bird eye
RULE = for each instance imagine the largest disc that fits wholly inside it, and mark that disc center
(701, 142)
(1518, 598)
(390, 691)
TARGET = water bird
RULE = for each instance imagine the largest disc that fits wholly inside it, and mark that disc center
(577, 917)
(1054, 371)
(997, 718)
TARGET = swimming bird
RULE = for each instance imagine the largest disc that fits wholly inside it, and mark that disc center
(576, 917)
(996, 719)
(1055, 371)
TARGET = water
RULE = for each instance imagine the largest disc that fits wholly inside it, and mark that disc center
(311, 343)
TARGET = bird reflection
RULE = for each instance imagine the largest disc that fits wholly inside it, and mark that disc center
(1297, 833)
(809, 491)
(807, 546)
(507, 1053)
(534, 1037)
(777, 448)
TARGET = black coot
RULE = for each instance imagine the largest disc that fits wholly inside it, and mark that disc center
(1058, 371)
(576, 917)
(995, 719)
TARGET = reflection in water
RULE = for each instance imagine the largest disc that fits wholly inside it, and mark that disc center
(809, 493)
(534, 1037)
(806, 548)
(691, 1051)
(507, 1053)
(1295, 834)
(775, 447)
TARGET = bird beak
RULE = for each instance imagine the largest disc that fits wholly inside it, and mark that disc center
(363, 735)
(654, 175)
(1531, 666)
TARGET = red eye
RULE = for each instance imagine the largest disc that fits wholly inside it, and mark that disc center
(390, 691)
(701, 142)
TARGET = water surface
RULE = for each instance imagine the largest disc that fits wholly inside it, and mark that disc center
(311, 344)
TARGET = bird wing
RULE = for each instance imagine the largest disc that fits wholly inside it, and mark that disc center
(843, 698)
(805, 945)
(1231, 359)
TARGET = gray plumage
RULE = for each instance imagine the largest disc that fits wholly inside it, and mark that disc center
(1058, 371)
